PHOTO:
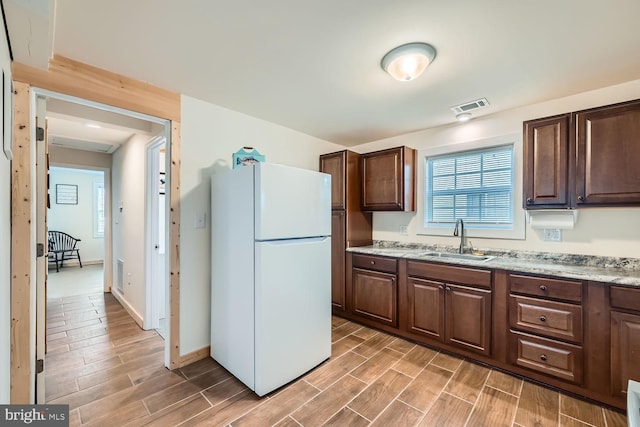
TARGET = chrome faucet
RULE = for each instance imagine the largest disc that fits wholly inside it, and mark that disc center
(460, 223)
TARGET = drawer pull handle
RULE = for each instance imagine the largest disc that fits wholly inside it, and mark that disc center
(543, 288)
(543, 357)
(543, 319)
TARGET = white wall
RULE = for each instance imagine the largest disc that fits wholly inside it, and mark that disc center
(128, 193)
(63, 156)
(77, 220)
(599, 231)
(210, 135)
(5, 247)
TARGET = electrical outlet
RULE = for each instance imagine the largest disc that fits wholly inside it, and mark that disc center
(129, 279)
(552, 234)
(403, 230)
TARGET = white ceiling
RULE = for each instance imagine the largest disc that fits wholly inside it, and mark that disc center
(76, 126)
(314, 66)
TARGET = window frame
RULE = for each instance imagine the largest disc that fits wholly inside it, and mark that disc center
(516, 231)
(96, 217)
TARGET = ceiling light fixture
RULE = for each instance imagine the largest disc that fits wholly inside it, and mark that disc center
(408, 61)
(92, 125)
(463, 117)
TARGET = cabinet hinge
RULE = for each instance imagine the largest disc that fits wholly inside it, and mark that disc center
(39, 250)
(39, 134)
(39, 366)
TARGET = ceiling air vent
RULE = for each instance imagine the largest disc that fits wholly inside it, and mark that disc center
(470, 106)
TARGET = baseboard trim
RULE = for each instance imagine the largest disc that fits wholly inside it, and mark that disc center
(124, 303)
(69, 263)
(194, 356)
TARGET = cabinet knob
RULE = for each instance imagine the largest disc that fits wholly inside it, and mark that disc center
(440, 287)
(581, 198)
(373, 262)
(543, 357)
(543, 288)
(543, 319)
(448, 289)
(529, 200)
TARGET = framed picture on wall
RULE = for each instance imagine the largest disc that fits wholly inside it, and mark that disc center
(66, 194)
(7, 114)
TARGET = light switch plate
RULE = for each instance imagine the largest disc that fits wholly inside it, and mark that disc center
(201, 220)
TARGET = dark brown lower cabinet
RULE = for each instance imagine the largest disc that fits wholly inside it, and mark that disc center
(453, 314)
(375, 296)
(579, 336)
(338, 246)
(426, 308)
(625, 351)
(468, 314)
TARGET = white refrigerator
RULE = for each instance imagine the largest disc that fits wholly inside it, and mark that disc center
(270, 273)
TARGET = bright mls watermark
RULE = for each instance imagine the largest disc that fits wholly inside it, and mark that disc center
(34, 415)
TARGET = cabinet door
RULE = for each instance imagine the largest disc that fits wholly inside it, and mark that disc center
(375, 296)
(387, 180)
(426, 308)
(608, 155)
(468, 318)
(338, 246)
(546, 162)
(334, 165)
(625, 351)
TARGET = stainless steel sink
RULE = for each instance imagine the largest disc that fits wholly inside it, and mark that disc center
(459, 256)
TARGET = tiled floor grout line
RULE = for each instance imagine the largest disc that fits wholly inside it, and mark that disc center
(515, 413)
(473, 408)
(347, 406)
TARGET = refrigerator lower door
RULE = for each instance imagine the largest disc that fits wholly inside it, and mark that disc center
(292, 309)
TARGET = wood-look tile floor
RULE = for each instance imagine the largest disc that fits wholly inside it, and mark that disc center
(111, 373)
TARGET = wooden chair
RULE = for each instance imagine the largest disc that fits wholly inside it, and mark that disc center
(62, 246)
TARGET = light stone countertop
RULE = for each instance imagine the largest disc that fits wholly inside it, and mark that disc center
(622, 271)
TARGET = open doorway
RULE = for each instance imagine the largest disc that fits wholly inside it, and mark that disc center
(95, 152)
(156, 230)
(77, 209)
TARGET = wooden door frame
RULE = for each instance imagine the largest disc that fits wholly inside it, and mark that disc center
(73, 78)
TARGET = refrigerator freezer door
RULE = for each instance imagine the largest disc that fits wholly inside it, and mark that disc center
(292, 310)
(291, 202)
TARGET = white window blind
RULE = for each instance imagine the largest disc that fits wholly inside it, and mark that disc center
(98, 209)
(476, 186)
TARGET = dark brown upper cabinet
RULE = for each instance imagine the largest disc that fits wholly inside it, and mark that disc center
(388, 180)
(335, 164)
(546, 162)
(608, 155)
(585, 158)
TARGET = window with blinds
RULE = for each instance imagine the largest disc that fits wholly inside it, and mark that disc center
(98, 209)
(476, 186)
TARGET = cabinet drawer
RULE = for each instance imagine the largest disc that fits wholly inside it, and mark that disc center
(549, 357)
(626, 298)
(568, 290)
(388, 265)
(450, 274)
(375, 296)
(549, 318)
